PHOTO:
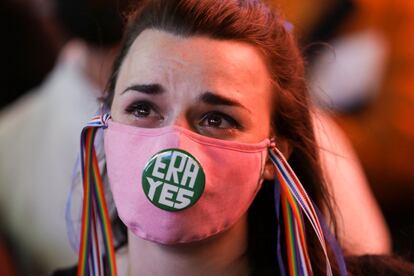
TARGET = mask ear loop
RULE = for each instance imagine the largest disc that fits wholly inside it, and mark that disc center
(96, 225)
(295, 202)
(276, 189)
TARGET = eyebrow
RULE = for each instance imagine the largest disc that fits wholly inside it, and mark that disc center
(207, 97)
(150, 89)
(214, 99)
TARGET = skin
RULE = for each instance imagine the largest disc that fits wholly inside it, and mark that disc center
(219, 89)
(365, 233)
(188, 69)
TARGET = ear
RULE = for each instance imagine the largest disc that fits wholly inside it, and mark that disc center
(269, 170)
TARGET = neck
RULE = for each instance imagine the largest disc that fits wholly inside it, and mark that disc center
(223, 254)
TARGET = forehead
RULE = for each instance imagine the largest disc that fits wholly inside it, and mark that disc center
(223, 66)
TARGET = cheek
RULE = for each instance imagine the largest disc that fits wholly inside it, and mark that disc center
(263, 128)
(116, 109)
(262, 122)
(261, 103)
(259, 130)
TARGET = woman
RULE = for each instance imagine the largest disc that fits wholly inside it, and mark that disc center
(206, 98)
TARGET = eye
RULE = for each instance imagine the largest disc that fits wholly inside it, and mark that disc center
(143, 109)
(218, 120)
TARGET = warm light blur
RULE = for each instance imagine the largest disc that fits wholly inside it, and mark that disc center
(381, 130)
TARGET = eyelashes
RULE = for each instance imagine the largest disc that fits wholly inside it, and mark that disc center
(217, 119)
(143, 109)
(147, 113)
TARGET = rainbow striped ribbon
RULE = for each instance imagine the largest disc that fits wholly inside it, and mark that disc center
(96, 225)
(295, 202)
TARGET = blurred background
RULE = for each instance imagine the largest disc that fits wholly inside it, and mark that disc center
(55, 55)
(363, 77)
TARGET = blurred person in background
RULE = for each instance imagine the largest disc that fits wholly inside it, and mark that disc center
(318, 21)
(364, 79)
(383, 132)
(39, 134)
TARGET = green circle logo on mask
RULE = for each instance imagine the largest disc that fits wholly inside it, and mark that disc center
(173, 180)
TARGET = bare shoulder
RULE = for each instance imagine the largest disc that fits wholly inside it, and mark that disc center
(361, 226)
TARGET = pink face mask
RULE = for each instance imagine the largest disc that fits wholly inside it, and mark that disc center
(171, 185)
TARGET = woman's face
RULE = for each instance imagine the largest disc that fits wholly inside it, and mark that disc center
(220, 89)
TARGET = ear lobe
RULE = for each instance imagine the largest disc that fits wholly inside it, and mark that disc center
(269, 169)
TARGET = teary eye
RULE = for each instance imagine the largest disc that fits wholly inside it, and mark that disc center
(141, 109)
(144, 114)
(214, 120)
(218, 120)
